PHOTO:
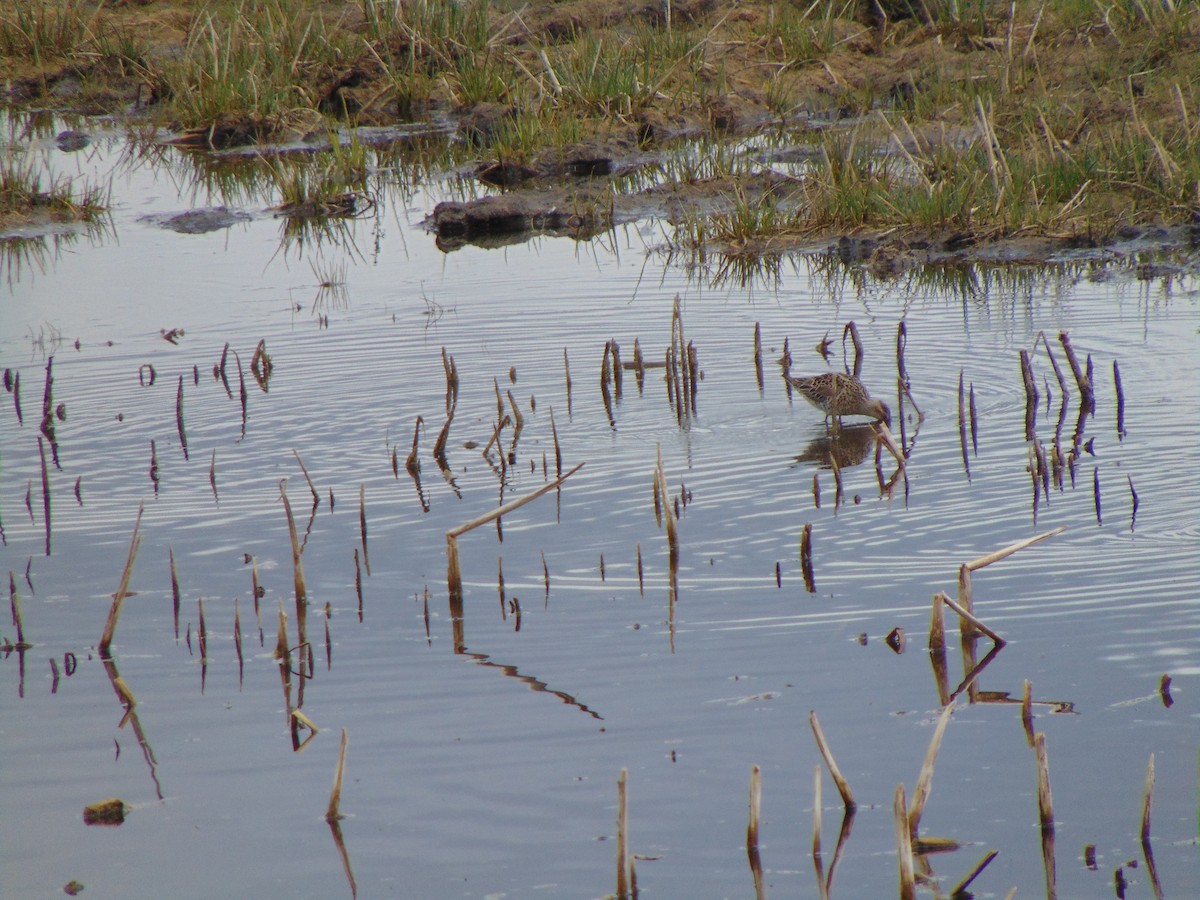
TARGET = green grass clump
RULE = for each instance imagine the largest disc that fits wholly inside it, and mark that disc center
(27, 193)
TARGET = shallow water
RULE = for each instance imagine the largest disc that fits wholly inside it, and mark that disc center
(489, 769)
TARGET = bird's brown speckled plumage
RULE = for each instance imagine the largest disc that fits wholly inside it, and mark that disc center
(837, 395)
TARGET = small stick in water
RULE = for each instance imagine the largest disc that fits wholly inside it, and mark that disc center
(925, 778)
(816, 491)
(962, 425)
(1096, 493)
(901, 344)
(1027, 711)
(974, 421)
(237, 637)
(203, 634)
(45, 492)
(752, 853)
(937, 624)
(358, 584)
(546, 580)
(212, 475)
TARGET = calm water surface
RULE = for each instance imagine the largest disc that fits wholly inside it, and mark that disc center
(488, 769)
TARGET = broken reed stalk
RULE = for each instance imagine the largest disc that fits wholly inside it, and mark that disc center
(518, 422)
(1120, 400)
(412, 465)
(758, 366)
(567, 372)
(901, 344)
(281, 641)
(974, 418)
(806, 564)
(122, 589)
(1045, 800)
(852, 330)
(212, 475)
(179, 418)
(641, 579)
(203, 634)
(1062, 382)
(335, 796)
(362, 524)
(499, 511)
(960, 889)
(624, 860)
(1081, 378)
(924, 780)
(237, 635)
(495, 438)
(1147, 799)
(816, 837)
(1000, 642)
(1031, 392)
(827, 755)
(1134, 496)
(557, 448)
(311, 486)
(15, 604)
(297, 568)
(998, 555)
(618, 368)
(755, 807)
(937, 623)
(1027, 711)
(962, 424)
(1096, 494)
(904, 857)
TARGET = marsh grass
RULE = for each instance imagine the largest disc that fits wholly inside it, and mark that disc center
(28, 192)
(1076, 115)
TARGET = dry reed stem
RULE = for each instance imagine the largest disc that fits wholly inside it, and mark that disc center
(297, 566)
(567, 372)
(966, 596)
(974, 419)
(924, 783)
(641, 578)
(827, 755)
(304, 469)
(179, 418)
(237, 635)
(961, 888)
(1147, 799)
(904, 858)
(557, 448)
(518, 421)
(45, 491)
(990, 558)
(1120, 400)
(1027, 711)
(123, 588)
(806, 564)
(281, 641)
(362, 524)
(937, 624)
(203, 634)
(15, 604)
(174, 589)
(462, 529)
(506, 420)
(1096, 494)
(1045, 800)
(412, 465)
(816, 833)
(335, 796)
(755, 806)
(1000, 642)
(852, 330)
(758, 365)
(624, 860)
(212, 475)
(962, 424)
(1081, 378)
(885, 436)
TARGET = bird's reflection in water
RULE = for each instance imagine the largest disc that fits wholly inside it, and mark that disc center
(849, 446)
